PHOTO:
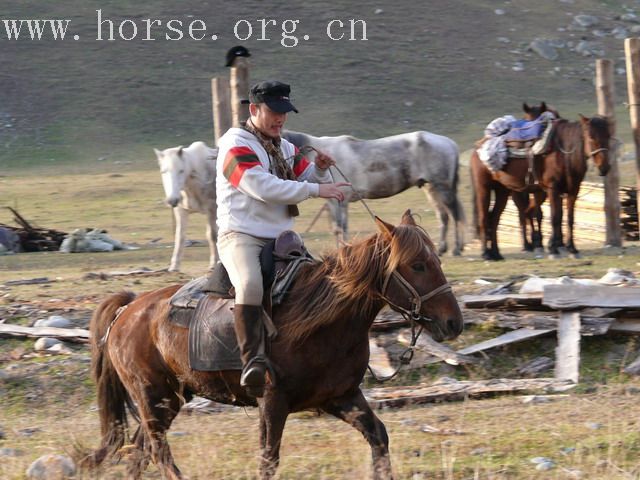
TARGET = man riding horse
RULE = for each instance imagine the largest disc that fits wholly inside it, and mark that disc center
(260, 179)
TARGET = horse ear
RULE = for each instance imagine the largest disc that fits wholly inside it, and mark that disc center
(158, 153)
(385, 228)
(584, 120)
(180, 149)
(526, 108)
(543, 107)
(407, 218)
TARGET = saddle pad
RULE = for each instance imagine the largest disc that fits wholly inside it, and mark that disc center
(212, 338)
(525, 130)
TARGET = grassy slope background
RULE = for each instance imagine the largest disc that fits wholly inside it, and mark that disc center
(437, 66)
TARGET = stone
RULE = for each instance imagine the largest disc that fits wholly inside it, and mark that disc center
(10, 452)
(52, 467)
(586, 20)
(45, 343)
(630, 17)
(544, 466)
(54, 321)
(620, 33)
(544, 48)
(499, 11)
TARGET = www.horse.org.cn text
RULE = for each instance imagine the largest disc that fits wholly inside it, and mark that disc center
(286, 31)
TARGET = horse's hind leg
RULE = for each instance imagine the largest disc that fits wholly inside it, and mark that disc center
(138, 458)
(157, 408)
(356, 412)
(437, 198)
(571, 205)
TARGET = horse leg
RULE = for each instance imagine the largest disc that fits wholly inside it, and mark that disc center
(483, 200)
(212, 235)
(502, 196)
(555, 204)
(337, 220)
(536, 219)
(157, 406)
(140, 456)
(437, 197)
(180, 216)
(521, 200)
(273, 416)
(571, 204)
(355, 410)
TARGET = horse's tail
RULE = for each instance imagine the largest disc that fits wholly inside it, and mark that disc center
(112, 397)
(474, 207)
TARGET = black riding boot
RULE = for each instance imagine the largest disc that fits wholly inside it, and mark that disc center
(250, 334)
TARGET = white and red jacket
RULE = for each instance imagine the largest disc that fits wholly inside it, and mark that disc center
(250, 198)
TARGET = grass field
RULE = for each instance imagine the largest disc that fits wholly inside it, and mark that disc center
(592, 430)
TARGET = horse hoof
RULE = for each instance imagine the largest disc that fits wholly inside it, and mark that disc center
(554, 256)
(456, 253)
(575, 255)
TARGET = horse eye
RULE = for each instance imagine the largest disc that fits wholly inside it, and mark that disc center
(419, 267)
(181, 171)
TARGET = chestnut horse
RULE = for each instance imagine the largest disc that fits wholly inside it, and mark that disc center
(558, 172)
(140, 360)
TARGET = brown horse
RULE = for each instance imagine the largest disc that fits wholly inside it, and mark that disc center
(558, 172)
(140, 359)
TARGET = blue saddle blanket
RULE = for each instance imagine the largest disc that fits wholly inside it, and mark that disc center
(525, 130)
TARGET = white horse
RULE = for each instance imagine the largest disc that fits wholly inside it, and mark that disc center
(189, 181)
(386, 166)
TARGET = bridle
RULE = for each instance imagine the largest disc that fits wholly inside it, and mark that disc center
(415, 299)
(412, 315)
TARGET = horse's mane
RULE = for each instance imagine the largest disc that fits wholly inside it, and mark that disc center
(351, 276)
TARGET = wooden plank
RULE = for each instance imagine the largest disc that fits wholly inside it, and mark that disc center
(507, 338)
(625, 326)
(567, 297)
(507, 299)
(71, 334)
(442, 351)
(379, 360)
(568, 349)
(451, 389)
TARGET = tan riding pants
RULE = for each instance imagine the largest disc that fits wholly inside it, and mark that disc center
(240, 255)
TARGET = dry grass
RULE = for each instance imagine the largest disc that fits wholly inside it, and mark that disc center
(499, 437)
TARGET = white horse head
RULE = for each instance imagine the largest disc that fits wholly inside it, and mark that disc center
(174, 170)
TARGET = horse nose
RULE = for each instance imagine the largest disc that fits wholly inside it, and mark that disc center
(172, 202)
(604, 170)
(454, 327)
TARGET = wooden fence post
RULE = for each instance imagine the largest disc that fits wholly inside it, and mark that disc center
(239, 82)
(632, 54)
(221, 107)
(606, 100)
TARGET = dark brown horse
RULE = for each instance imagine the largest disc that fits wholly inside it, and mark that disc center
(320, 355)
(559, 172)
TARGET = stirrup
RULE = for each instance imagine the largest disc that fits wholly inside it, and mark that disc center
(253, 377)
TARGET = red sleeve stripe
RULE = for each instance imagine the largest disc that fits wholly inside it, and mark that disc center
(300, 163)
(237, 161)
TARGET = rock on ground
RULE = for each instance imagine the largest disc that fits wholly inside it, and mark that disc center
(51, 467)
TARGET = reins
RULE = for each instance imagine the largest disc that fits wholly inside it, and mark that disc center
(416, 300)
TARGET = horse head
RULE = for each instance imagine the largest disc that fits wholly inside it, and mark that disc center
(597, 135)
(531, 113)
(174, 173)
(414, 283)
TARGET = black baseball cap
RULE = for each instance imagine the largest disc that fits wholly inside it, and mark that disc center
(274, 94)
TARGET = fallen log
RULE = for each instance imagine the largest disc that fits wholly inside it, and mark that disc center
(450, 389)
(78, 335)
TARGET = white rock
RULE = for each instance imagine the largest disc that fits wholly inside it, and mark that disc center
(54, 321)
(45, 343)
(50, 467)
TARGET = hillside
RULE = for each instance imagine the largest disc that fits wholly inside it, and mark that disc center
(447, 66)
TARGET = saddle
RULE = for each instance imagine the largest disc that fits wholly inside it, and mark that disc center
(205, 304)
